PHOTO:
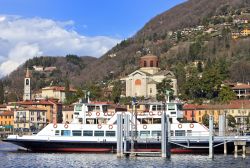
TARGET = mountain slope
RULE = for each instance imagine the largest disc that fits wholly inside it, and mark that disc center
(158, 37)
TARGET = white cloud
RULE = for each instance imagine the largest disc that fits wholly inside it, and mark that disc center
(24, 38)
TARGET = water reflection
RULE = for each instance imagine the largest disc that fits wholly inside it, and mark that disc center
(10, 157)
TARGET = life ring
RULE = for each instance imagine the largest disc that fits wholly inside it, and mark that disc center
(66, 126)
(99, 126)
(144, 126)
(151, 113)
(159, 113)
(191, 125)
(110, 126)
(106, 114)
(179, 126)
(97, 113)
(55, 125)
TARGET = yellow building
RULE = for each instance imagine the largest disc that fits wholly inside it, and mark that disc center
(68, 114)
(56, 92)
(53, 107)
(32, 118)
(239, 109)
(245, 32)
(7, 119)
(202, 110)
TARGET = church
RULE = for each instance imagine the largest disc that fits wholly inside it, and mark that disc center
(143, 81)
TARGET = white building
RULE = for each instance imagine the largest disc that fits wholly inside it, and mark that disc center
(143, 82)
(57, 92)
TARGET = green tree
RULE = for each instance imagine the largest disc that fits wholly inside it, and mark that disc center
(194, 50)
(199, 67)
(161, 87)
(231, 121)
(95, 92)
(205, 119)
(178, 36)
(180, 74)
(116, 91)
(1, 92)
(67, 92)
(226, 94)
(193, 85)
(211, 82)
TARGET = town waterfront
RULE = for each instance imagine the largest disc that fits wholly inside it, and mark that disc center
(12, 157)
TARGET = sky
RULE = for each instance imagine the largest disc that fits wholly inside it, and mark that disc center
(30, 28)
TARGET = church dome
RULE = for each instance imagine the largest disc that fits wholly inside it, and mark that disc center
(149, 61)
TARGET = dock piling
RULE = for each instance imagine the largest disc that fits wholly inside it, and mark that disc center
(240, 143)
(126, 133)
(211, 137)
(119, 135)
(165, 146)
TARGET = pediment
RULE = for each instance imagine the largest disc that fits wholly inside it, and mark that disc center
(137, 73)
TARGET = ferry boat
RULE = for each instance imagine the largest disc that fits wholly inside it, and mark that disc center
(93, 129)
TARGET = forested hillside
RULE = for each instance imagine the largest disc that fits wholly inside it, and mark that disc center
(194, 39)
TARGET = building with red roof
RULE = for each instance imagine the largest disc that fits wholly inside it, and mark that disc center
(242, 90)
(53, 107)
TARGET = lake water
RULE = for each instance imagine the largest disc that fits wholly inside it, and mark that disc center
(11, 157)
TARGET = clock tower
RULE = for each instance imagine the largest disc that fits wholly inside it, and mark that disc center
(27, 93)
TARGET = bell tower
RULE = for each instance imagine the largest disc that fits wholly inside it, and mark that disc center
(27, 93)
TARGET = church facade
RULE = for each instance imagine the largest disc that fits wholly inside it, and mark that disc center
(143, 81)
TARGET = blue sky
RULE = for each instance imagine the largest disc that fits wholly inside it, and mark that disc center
(92, 17)
(30, 28)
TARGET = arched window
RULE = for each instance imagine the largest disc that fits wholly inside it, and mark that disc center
(145, 63)
(27, 81)
(138, 82)
(151, 63)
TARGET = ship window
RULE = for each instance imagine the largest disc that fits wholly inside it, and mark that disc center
(171, 107)
(179, 107)
(173, 112)
(135, 133)
(180, 133)
(87, 133)
(99, 133)
(110, 133)
(97, 108)
(189, 132)
(78, 107)
(159, 107)
(171, 133)
(76, 132)
(146, 121)
(153, 108)
(105, 108)
(144, 133)
(91, 121)
(156, 133)
(57, 132)
(65, 133)
(156, 120)
(91, 108)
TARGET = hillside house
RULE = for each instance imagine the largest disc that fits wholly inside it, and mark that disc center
(57, 92)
